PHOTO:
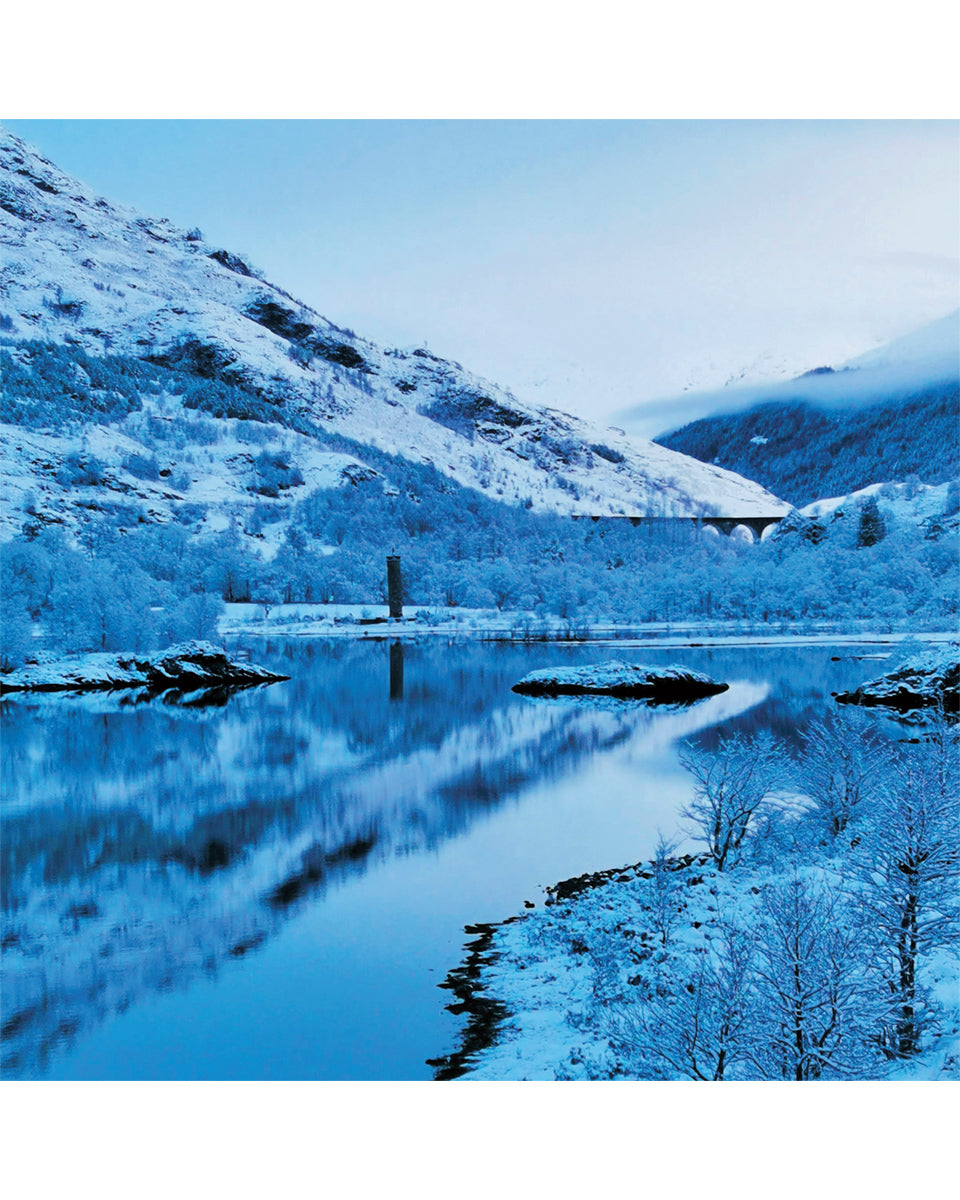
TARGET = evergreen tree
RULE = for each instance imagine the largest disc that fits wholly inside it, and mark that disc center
(872, 528)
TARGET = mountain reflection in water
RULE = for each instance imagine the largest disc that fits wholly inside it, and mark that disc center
(145, 844)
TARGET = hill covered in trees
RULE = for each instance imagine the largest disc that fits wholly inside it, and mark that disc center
(131, 532)
(802, 451)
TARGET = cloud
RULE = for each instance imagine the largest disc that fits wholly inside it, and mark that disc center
(927, 357)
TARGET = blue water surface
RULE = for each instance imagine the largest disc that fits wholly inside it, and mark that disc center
(272, 884)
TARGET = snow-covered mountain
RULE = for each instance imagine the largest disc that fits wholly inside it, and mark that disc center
(931, 352)
(924, 358)
(891, 414)
(80, 272)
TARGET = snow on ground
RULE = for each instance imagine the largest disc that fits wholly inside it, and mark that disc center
(189, 664)
(907, 501)
(926, 678)
(216, 483)
(372, 620)
(564, 972)
(78, 269)
(933, 349)
(618, 679)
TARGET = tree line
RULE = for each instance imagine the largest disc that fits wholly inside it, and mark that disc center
(803, 453)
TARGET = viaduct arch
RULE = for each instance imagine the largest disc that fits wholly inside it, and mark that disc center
(724, 525)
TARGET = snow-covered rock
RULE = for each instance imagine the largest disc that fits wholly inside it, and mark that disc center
(186, 667)
(926, 680)
(626, 680)
(799, 524)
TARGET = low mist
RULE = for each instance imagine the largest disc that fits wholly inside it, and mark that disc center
(927, 358)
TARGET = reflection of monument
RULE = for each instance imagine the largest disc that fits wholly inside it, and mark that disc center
(396, 671)
(394, 587)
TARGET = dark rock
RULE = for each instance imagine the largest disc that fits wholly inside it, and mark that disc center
(206, 359)
(485, 1015)
(278, 318)
(622, 680)
(246, 945)
(807, 529)
(231, 261)
(188, 667)
(928, 680)
(340, 353)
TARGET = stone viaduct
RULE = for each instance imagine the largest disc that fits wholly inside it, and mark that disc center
(724, 525)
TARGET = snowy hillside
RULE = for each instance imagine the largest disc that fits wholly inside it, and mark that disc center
(917, 503)
(890, 414)
(932, 351)
(924, 359)
(80, 272)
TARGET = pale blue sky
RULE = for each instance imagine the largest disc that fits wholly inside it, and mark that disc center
(590, 265)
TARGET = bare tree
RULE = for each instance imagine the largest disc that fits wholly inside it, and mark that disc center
(730, 784)
(666, 886)
(693, 1017)
(841, 766)
(906, 868)
(818, 1002)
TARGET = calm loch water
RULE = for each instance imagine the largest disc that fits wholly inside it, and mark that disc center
(271, 884)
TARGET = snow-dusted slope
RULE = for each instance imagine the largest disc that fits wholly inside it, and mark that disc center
(78, 270)
(933, 350)
(909, 502)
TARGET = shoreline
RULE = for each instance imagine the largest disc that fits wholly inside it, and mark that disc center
(486, 1014)
(184, 667)
(549, 992)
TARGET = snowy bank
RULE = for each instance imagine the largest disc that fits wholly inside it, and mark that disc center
(606, 980)
(625, 680)
(185, 667)
(926, 680)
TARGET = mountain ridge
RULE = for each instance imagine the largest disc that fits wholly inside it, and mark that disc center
(889, 415)
(81, 272)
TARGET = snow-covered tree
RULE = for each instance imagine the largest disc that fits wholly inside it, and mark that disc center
(730, 784)
(817, 1005)
(906, 869)
(871, 528)
(666, 887)
(841, 767)
(692, 1017)
(15, 632)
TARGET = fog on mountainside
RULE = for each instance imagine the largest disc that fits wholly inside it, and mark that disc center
(891, 414)
(925, 359)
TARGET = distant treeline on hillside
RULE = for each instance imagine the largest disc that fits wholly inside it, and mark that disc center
(803, 453)
(129, 578)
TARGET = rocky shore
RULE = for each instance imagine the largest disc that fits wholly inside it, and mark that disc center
(494, 956)
(185, 667)
(930, 679)
(605, 980)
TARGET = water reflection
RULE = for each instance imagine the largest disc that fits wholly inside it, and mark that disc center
(146, 844)
(396, 670)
